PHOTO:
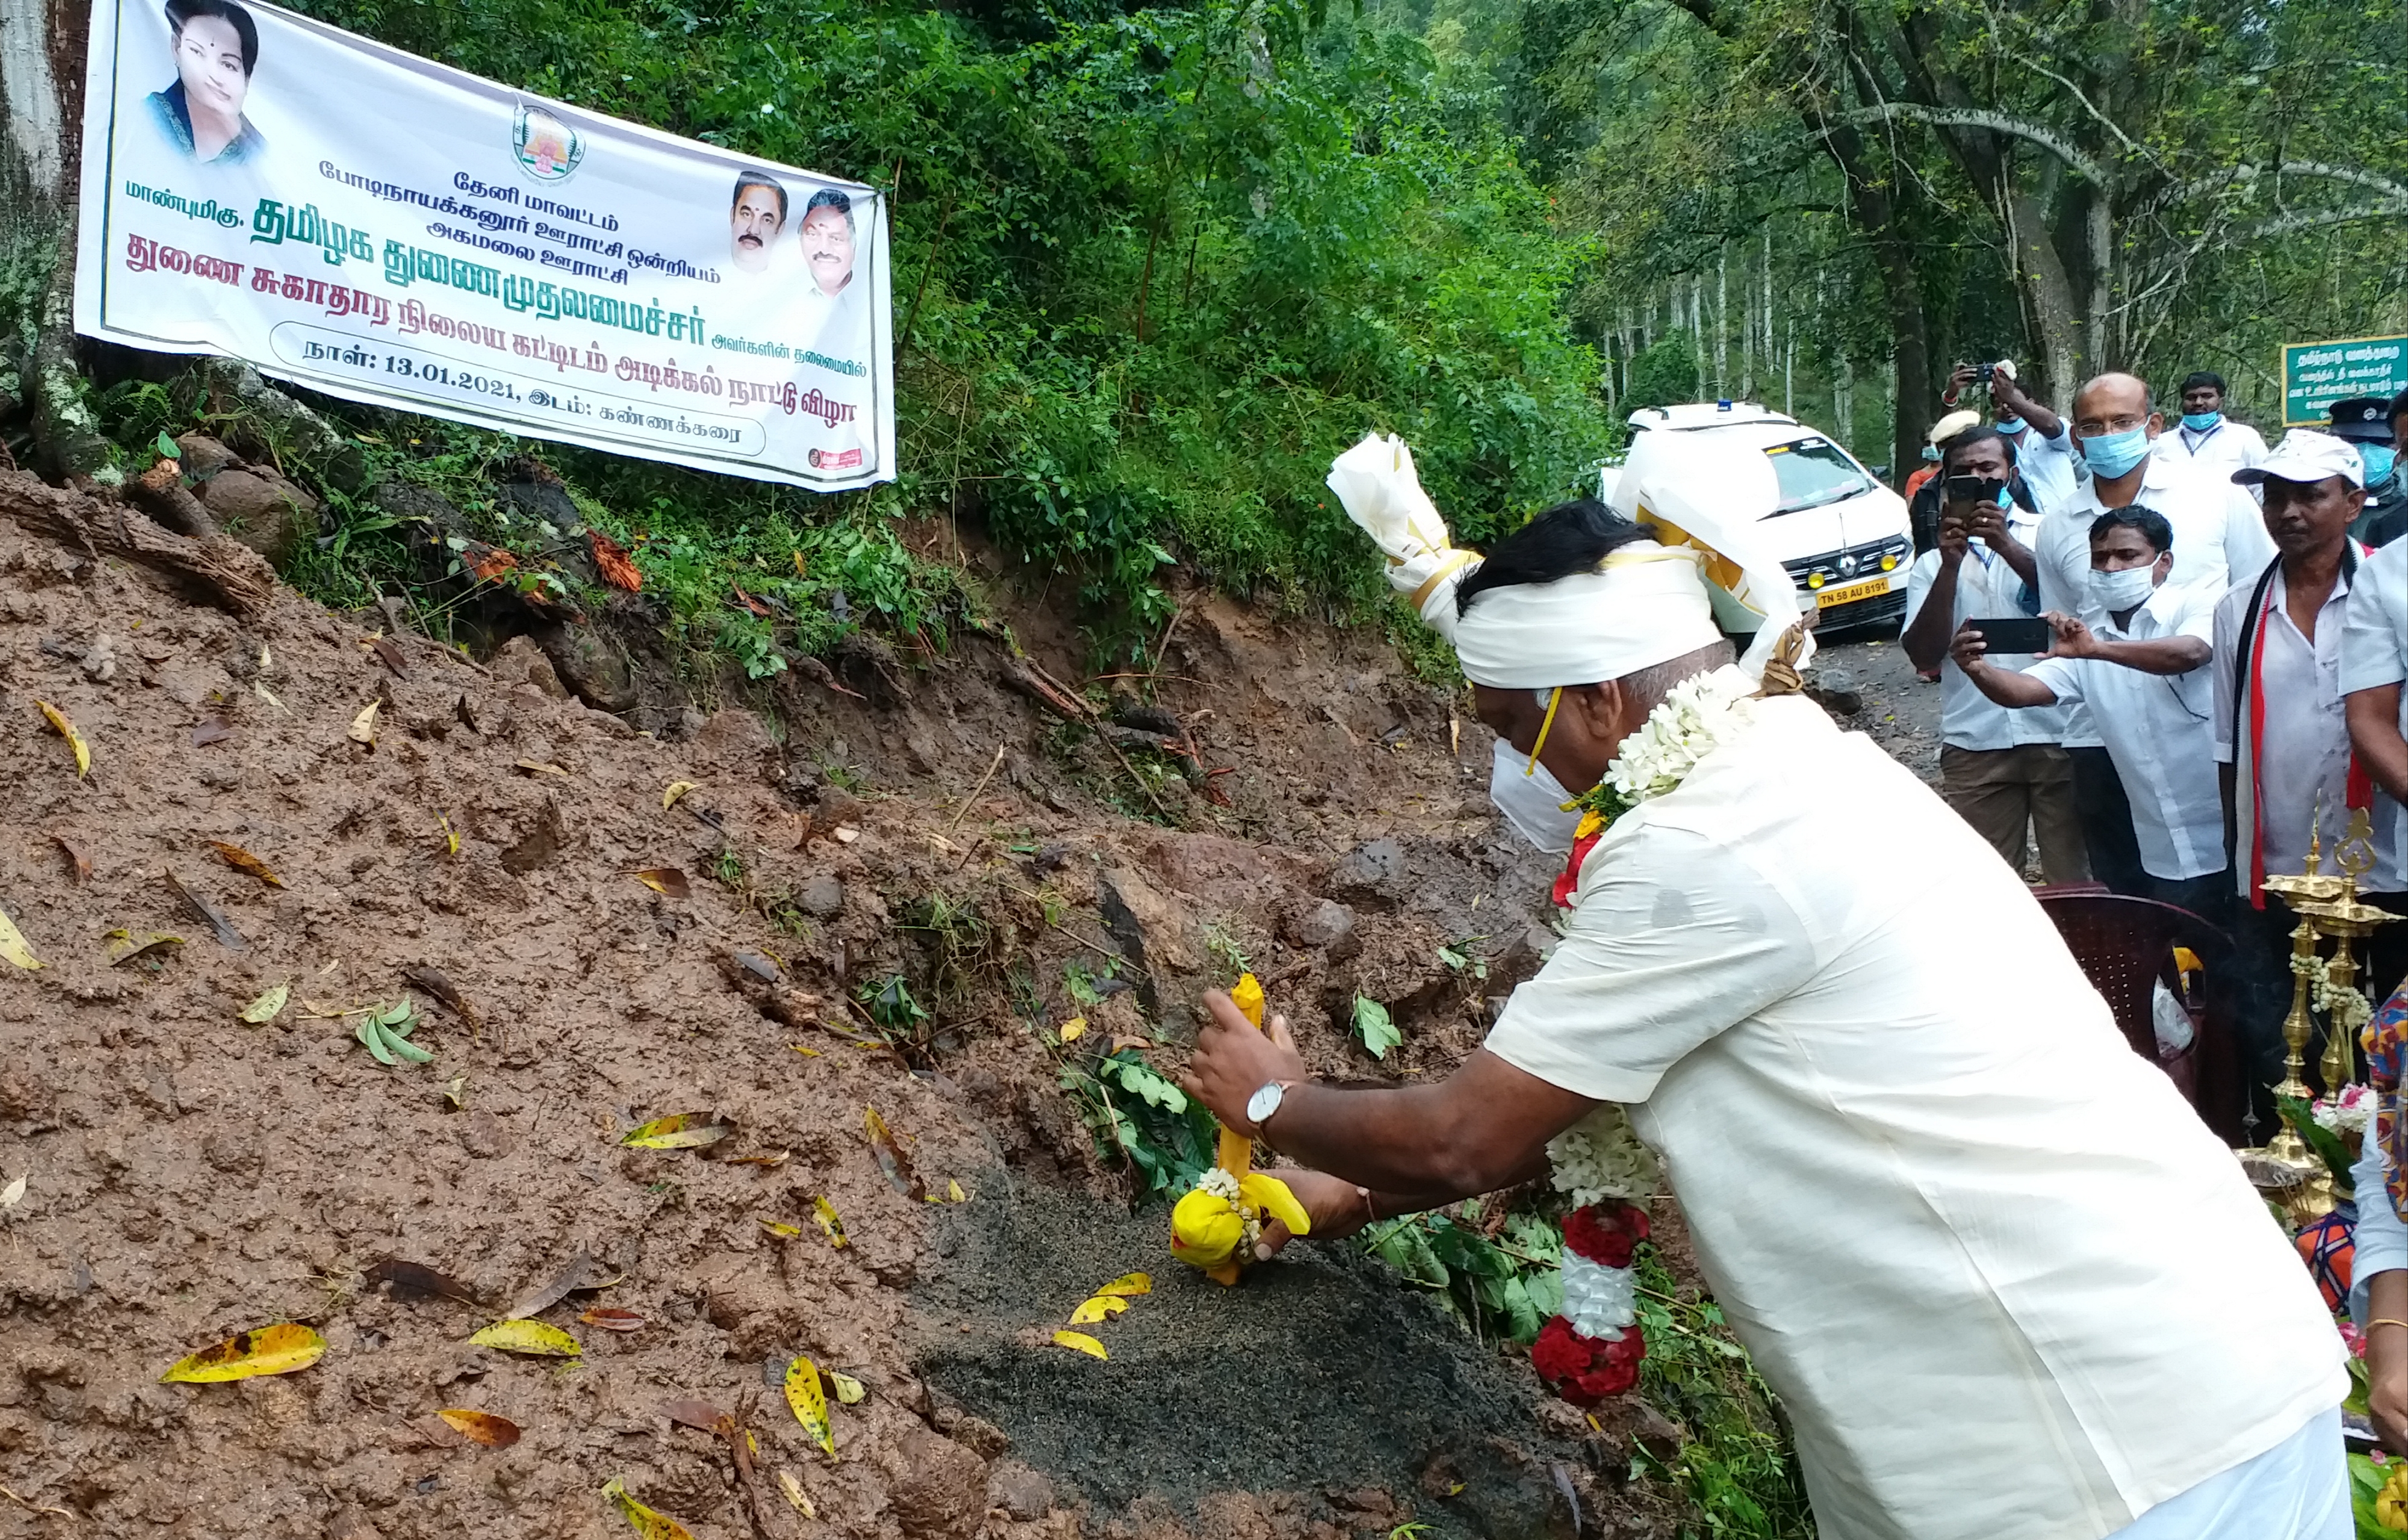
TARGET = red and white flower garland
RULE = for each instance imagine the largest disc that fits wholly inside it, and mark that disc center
(1592, 1349)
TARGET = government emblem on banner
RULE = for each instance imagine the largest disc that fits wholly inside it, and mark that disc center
(549, 149)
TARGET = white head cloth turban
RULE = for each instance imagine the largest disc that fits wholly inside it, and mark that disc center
(1646, 603)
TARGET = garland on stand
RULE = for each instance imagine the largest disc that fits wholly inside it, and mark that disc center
(1591, 1351)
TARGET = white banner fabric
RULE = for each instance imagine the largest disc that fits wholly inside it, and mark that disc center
(385, 229)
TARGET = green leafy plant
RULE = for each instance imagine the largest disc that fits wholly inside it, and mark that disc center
(384, 1031)
(1373, 1027)
(1138, 1117)
(1503, 1285)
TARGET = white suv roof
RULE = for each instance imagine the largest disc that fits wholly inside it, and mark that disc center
(1690, 416)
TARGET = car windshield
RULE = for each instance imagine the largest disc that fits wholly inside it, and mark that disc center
(1812, 472)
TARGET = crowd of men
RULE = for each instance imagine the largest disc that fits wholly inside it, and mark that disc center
(2226, 637)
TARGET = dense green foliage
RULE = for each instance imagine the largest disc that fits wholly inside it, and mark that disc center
(1153, 270)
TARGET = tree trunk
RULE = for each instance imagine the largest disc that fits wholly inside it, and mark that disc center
(41, 113)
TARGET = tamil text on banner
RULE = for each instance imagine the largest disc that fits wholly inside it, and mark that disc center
(382, 228)
(2318, 374)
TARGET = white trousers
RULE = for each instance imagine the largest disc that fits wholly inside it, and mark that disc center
(2298, 1489)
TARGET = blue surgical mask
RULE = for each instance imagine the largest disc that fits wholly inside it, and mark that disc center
(2127, 589)
(2009, 425)
(2201, 422)
(2110, 454)
(2380, 461)
(1932, 451)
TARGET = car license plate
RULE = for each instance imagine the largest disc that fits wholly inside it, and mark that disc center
(1850, 592)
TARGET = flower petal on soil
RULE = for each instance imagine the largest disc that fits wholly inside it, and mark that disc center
(647, 1523)
(13, 946)
(809, 1403)
(665, 880)
(1079, 1341)
(678, 1131)
(75, 740)
(531, 1337)
(493, 1433)
(264, 1010)
(1102, 1307)
(1129, 1283)
(243, 861)
(278, 1349)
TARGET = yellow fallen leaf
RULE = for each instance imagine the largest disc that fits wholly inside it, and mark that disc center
(263, 1009)
(278, 1349)
(809, 1403)
(847, 1390)
(807, 1053)
(1128, 1283)
(494, 1432)
(668, 881)
(13, 1194)
(677, 1132)
(649, 1523)
(1079, 1341)
(824, 1212)
(126, 945)
(1073, 1028)
(75, 740)
(450, 835)
(953, 1193)
(676, 789)
(12, 944)
(530, 1337)
(783, 1232)
(363, 729)
(786, 1482)
(538, 767)
(243, 861)
(1102, 1307)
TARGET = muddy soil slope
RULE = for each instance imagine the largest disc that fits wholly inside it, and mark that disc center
(471, 839)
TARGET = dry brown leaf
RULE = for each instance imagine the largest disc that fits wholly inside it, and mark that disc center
(536, 767)
(693, 1413)
(228, 937)
(439, 984)
(416, 1281)
(80, 862)
(611, 1319)
(388, 654)
(611, 559)
(1124, 1040)
(210, 729)
(243, 861)
(890, 1158)
(772, 1160)
(786, 1482)
(493, 1433)
(666, 881)
(362, 728)
(570, 1279)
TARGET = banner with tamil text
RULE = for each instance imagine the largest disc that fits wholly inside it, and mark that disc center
(388, 230)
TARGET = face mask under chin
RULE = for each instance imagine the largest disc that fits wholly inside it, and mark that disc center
(1533, 802)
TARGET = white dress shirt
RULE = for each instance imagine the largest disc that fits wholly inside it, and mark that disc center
(1987, 589)
(2302, 758)
(2051, 466)
(2159, 730)
(2004, 1281)
(2374, 652)
(2227, 447)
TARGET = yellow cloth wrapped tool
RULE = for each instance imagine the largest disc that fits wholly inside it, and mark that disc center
(1215, 1227)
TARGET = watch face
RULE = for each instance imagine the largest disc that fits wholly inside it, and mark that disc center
(1263, 1102)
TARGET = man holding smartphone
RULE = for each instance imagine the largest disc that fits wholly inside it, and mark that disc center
(2144, 672)
(2004, 771)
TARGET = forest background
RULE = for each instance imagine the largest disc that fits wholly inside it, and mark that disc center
(1155, 265)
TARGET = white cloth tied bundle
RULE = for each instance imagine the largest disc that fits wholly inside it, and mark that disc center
(1646, 603)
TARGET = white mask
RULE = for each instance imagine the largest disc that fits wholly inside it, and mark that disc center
(1532, 801)
(2126, 589)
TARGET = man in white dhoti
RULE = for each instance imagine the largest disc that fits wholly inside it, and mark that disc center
(2005, 1283)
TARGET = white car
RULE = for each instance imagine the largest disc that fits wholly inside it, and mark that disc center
(1845, 537)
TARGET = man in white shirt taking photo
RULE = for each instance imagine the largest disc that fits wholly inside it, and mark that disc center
(2144, 672)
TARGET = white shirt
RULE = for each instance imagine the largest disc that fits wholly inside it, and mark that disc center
(2302, 766)
(2004, 1281)
(2050, 466)
(2219, 533)
(2227, 447)
(2374, 652)
(2159, 730)
(1987, 589)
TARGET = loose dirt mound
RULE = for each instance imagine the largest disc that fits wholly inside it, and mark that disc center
(190, 1176)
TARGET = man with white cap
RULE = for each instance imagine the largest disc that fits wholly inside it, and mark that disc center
(2282, 729)
(2005, 1284)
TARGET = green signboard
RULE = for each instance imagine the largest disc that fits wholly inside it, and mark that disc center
(2318, 374)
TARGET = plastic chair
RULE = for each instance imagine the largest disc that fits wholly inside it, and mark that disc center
(2126, 946)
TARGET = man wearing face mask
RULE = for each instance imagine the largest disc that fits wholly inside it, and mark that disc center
(2045, 458)
(2143, 673)
(1821, 1041)
(2207, 438)
(2371, 425)
(2003, 771)
(2218, 533)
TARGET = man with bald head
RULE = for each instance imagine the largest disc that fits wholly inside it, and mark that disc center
(2219, 538)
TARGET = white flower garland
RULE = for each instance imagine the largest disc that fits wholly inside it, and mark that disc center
(2346, 1007)
(1599, 1158)
(1693, 720)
